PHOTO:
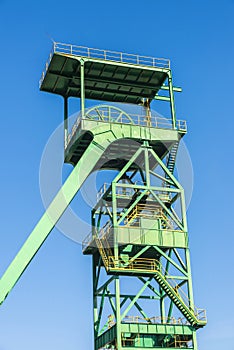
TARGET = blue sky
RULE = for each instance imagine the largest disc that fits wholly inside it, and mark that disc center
(51, 306)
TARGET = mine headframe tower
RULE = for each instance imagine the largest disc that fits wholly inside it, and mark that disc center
(142, 286)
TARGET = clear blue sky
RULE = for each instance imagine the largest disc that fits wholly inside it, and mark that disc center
(51, 306)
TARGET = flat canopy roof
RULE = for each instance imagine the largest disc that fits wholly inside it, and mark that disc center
(109, 76)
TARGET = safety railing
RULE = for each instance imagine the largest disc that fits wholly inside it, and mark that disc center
(125, 192)
(155, 266)
(164, 197)
(107, 55)
(128, 192)
(129, 234)
(120, 191)
(155, 320)
(104, 231)
(87, 241)
(102, 234)
(132, 119)
(149, 211)
(142, 264)
(200, 314)
(105, 114)
(181, 125)
(150, 266)
(102, 190)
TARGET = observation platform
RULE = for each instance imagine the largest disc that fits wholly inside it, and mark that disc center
(109, 75)
(138, 236)
(158, 131)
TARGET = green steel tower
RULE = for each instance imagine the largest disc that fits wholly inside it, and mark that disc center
(142, 285)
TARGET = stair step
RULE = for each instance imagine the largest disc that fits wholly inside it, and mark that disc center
(179, 303)
(161, 280)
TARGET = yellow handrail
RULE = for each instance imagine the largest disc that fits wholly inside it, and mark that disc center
(153, 265)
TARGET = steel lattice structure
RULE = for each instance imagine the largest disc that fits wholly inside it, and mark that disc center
(142, 285)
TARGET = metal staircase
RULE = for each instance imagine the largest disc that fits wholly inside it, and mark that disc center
(142, 226)
(195, 316)
(171, 159)
(104, 250)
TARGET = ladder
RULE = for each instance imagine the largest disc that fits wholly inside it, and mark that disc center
(174, 295)
(104, 250)
(171, 162)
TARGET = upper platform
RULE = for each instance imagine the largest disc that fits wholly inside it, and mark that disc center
(109, 75)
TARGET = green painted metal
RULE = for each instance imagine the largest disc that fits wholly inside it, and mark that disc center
(65, 121)
(172, 103)
(63, 69)
(162, 98)
(82, 89)
(133, 243)
(62, 200)
(144, 242)
(139, 225)
(175, 88)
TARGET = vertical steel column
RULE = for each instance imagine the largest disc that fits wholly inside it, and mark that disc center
(95, 306)
(93, 222)
(172, 100)
(187, 253)
(162, 305)
(195, 347)
(183, 209)
(146, 105)
(118, 315)
(190, 286)
(82, 89)
(65, 121)
(147, 173)
(114, 211)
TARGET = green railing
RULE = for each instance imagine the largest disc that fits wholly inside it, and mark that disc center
(107, 55)
(109, 115)
(130, 235)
